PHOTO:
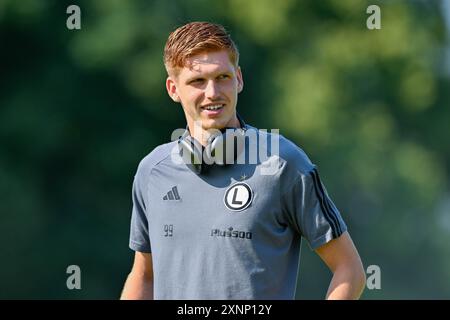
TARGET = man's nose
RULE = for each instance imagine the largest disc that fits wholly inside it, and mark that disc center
(211, 90)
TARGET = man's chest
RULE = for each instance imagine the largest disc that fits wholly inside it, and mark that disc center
(235, 207)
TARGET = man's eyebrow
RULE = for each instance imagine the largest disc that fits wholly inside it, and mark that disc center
(203, 75)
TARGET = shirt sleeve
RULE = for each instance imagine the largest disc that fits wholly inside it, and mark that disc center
(311, 211)
(139, 236)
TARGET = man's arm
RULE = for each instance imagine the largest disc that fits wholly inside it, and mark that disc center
(139, 284)
(349, 278)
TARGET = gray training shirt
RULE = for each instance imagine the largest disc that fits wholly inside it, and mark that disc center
(233, 232)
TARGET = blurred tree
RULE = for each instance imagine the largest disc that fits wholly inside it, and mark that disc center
(79, 109)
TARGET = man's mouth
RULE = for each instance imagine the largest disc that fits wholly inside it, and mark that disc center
(213, 107)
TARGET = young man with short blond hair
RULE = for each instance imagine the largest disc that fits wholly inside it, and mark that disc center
(227, 229)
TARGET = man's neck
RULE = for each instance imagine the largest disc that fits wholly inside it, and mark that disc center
(202, 135)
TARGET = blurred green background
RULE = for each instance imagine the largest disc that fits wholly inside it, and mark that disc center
(80, 108)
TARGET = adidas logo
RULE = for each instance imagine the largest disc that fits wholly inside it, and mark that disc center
(172, 194)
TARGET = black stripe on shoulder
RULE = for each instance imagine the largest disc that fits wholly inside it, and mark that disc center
(329, 215)
(333, 213)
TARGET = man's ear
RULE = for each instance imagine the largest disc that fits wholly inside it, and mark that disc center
(172, 89)
(240, 79)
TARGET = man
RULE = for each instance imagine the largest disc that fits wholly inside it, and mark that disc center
(227, 230)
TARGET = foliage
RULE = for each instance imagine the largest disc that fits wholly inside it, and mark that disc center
(79, 109)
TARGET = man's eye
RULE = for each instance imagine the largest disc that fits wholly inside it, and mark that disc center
(223, 76)
(196, 81)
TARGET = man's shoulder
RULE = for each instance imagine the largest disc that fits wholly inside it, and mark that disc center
(295, 156)
(156, 156)
(290, 154)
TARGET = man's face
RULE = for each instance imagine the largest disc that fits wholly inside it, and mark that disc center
(207, 88)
